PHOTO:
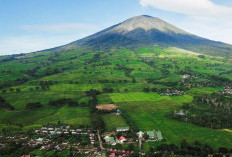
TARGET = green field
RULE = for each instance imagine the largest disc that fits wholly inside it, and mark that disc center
(112, 121)
(135, 79)
(149, 115)
(48, 115)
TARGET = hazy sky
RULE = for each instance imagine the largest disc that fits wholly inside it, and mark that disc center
(32, 25)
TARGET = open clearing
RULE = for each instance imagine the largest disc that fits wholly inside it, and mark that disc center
(106, 107)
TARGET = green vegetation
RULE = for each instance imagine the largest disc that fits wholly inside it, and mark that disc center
(147, 84)
(112, 121)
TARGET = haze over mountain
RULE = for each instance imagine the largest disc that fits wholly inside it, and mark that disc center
(143, 31)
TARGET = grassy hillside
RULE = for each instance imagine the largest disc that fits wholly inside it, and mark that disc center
(139, 81)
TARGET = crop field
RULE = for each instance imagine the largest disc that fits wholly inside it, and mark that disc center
(204, 90)
(149, 115)
(127, 97)
(48, 115)
(112, 121)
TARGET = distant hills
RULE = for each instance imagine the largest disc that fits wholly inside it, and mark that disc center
(144, 31)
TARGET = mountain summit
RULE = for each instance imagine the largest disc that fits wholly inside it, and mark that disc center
(146, 31)
(146, 23)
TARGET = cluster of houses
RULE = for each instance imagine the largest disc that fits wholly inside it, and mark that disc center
(153, 136)
(113, 141)
(202, 84)
(170, 92)
(44, 139)
(187, 76)
(228, 90)
(121, 153)
(58, 130)
(66, 130)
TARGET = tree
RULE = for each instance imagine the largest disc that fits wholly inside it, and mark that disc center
(223, 150)
(65, 101)
(83, 104)
(34, 105)
(131, 147)
(18, 90)
(201, 56)
(184, 144)
(197, 143)
(5, 105)
(133, 80)
(146, 136)
(146, 90)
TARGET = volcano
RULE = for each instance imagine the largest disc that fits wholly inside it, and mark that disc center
(147, 31)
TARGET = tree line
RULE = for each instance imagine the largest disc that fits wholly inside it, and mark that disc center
(212, 111)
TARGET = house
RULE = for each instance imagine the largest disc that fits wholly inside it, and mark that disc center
(74, 133)
(50, 129)
(118, 112)
(151, 135)
(155, 135)
(122, 129)
(159, 135)
(44, 131)
(79, 130)
(110, 140)
(122, 139)
(181, 113)
(37, 131)
(112, 155)
(44, 128)
(39, 139)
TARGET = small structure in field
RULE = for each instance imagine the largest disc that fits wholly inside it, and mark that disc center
(118, 112)
(155, 135)
(110, 140)
(107, 107)
(180, 113)
(122, 129)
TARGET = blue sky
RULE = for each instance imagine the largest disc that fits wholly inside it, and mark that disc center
(32, 25)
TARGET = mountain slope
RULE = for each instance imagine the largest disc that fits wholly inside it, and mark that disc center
(142, 31)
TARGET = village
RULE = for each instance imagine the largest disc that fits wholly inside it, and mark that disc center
(85, 141)
(227, 90)
(47, 138)
(82, 141)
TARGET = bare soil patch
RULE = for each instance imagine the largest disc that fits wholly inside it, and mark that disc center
(106, 107)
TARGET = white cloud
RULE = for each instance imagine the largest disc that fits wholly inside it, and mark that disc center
(204, 18)
(60, 28)
(191, 7)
